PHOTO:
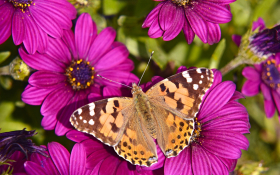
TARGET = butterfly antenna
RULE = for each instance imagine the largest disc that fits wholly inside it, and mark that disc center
(146, 67)
(113, 81)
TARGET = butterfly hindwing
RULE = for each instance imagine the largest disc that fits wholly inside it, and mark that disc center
(182, 93)
(104, 119)
(137, 145)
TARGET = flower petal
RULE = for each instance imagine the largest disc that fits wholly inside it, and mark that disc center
(237, 95)
(126, 65)
(69, 39)
(109, 91)
(188, 32)
(236, 39)
(251, 88)
(109, 165)
(41, 61)
(45, 21)
(34, 96)
(112, 59)
(123, 169)
(6, 15)
(198, 24)
(56, 100)
(77, 136)
(180, 164)
(251, 74)
(96, 157)
(259, 23)
(266, 91)
(85, 32)
(119, 76)
(155, 31)
(78, 160)
(46, 79)
(18, 29)
(217, 165)
(30, 40)
(217, 98)
(33, 168)
(49, 121)
(47, 163)
(177, 25)
(276, 99)
(269, 108)
(91, 145)
(230, 163)
(166, 15)
(58, 50)
(60, 157)
(214, 33)
(213, 12)
(153, 15)
(101, 44)
(200, 160)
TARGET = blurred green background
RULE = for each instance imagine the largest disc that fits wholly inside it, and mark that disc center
(127, 16)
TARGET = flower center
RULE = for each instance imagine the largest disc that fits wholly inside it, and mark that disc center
(80, 74)
(181, 2)
(22, 3)
(270, 74)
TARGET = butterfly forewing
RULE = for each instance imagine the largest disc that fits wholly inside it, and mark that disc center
(104, 119)
(182, 93)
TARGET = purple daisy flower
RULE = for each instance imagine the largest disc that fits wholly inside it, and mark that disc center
(264, 77)
(102, 159)
(59, 161)
(67, 73)
(31, 21)
(218, 136)
(195, 17)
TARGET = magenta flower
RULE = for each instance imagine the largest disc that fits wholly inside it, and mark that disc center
(31, 21)
(67, 74)
(198, 17)
(264, 77)
(59, 161)
(218, 135)
(102, 159)
(17, 165)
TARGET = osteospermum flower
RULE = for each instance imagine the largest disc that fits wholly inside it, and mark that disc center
(60, 161)
(31, 21)
(265, 78)
(195, 17)
(67, 73)
(218, 136)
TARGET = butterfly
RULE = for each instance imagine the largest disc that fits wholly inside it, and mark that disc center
(165, 112)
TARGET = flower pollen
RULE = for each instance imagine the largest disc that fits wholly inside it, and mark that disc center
(196, 133)
(270, 74)
(22, 4)
(181, 2)
(80, 74)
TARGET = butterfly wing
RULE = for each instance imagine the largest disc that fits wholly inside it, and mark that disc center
(137, 145)
(182, 94)
(173, 132)
(105, 119)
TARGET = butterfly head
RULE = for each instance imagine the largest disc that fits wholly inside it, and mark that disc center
(136, 89)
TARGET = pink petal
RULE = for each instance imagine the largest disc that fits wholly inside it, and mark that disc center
(47, 163)
(259, 23)
(91, 145)
(200, 160)
(118, 76)
(251, 74)
(217, 98)
(123, 169)
(112, 59)
(251, 88)
(78, 160)
(153, 15)
(166, 15)
(269, 108)
(18, 29)
(30, 40)
(180, 164)
(60, 157)
(276, 99)
(178, 23)
(109, 165)
(77, 136)
(34, 96)
(198, 24)
(236, 39)
(217, 165)
(41, 61)
(101, 44)
(46, 79)
(96, 157)
(188, 32)
(155, 31)
(69, 40)
(109, 91)
(43, 40)
(46, 21)
(85, 32)
(33, 168)
(56, 100)
(266, 91)
(222, 2)
(59, 51)
(237, 95)
(126, 65)
(230, 163)
(214, 33)
(49, 121)
(6, 15)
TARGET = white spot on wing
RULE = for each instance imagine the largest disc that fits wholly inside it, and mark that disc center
(202, 76)
(91, 109)
(200, 82)
(91, 113)
(189, 80)
(80, 111)
(186, 74)
(81, 118)
(91, 122)
(198, 70)
(85, 121)
(195, 86)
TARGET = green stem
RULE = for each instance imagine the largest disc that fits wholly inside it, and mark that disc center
(233, 64)
(5, 70)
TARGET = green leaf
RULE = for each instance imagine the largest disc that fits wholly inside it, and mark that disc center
(263, 8)
(179, 54)
(216, 57)
(6, 82)
(4, 56)
(6, 109)
(241, 11)
(112, 7)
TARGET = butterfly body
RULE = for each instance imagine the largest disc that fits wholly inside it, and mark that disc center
(165, 112)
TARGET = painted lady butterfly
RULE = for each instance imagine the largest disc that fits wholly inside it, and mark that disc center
(165, 112)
